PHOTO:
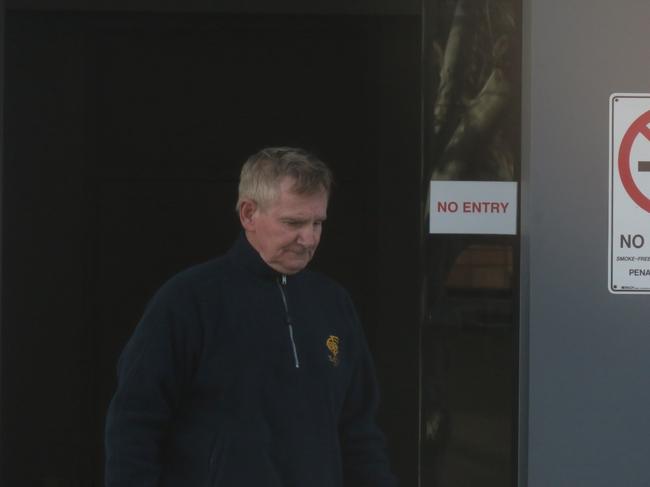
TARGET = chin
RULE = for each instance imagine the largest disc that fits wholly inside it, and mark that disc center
(295, 268)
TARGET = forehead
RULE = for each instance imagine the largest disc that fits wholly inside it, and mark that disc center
(287, 200)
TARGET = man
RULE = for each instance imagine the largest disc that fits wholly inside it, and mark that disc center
(249, 371)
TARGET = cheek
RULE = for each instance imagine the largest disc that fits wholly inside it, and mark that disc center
(284, 237)
(278, 233)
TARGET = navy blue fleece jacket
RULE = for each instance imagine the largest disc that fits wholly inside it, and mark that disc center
(237, 376)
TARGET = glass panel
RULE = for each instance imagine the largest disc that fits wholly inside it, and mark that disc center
(469, 336)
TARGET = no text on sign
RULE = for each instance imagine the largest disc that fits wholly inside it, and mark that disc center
(629, 194)
(473, 207)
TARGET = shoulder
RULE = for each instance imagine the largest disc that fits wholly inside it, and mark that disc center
(330, 294)
(186, 294)
(180, 302)
(317, 279)
(197, 279)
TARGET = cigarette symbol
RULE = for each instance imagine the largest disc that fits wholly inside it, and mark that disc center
(644, 166)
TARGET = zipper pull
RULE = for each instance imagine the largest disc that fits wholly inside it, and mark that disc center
(284, 280)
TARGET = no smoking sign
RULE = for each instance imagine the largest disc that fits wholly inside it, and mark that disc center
(629, 193)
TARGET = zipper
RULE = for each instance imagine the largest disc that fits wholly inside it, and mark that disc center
(282, 282)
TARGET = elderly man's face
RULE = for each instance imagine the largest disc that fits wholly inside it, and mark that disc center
(287, 231)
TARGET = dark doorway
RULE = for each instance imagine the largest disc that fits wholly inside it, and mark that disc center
(124, 136)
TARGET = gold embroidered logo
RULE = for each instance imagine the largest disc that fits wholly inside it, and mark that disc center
(333, 346)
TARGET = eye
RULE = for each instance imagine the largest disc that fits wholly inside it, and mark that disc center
(293, 223)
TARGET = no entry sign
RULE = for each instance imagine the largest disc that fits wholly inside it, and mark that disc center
(629, 193)
(473, 207)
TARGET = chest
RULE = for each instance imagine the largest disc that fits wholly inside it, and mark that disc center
(271, 343)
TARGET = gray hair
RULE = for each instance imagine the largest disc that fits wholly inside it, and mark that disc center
(262, 172)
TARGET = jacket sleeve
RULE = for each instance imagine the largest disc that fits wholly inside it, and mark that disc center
(364, 456)
(152, 371)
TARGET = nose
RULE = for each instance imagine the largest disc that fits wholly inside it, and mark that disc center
(309, 236)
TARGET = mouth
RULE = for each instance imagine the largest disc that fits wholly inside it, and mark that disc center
(301, 252)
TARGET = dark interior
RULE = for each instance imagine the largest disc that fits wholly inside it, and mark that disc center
(124, 135)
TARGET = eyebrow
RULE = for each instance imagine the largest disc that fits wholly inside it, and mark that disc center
(302, 218)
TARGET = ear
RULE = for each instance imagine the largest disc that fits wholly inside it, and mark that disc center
(247, 211)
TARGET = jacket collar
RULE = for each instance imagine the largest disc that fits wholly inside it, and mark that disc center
(244, 255)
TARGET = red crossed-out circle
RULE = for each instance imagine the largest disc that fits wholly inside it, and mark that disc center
(639, 127)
